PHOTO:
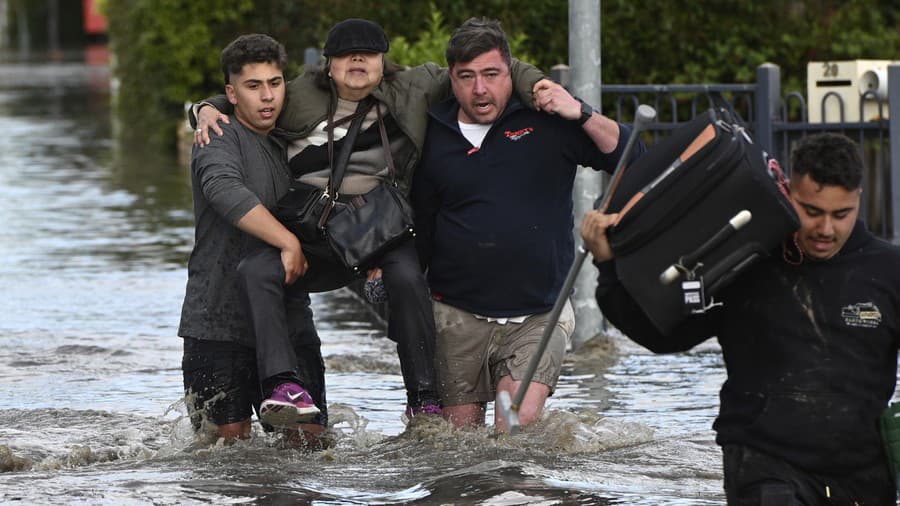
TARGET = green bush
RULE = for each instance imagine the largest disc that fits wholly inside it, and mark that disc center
(165, 52)
(431, 43)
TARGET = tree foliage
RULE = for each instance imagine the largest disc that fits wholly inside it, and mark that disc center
(167, 50)
(430, 44)
(683, 41)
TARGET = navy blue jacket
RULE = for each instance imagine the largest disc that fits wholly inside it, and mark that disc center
(810, 349)
(494, 225)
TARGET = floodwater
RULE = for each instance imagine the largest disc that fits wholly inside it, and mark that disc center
(95, 237)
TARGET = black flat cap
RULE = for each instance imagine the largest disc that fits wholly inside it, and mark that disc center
(356, 35)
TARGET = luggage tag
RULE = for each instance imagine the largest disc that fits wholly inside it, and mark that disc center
(690, 268)
(693, 293)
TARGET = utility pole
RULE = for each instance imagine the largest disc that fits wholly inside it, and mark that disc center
(22, 28)
(4, 24)
(584, 64)
(53, 27)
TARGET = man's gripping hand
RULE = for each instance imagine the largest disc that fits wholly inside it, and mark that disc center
(593, 232)
(294, 262)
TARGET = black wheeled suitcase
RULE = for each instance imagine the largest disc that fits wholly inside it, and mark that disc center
(696, 209)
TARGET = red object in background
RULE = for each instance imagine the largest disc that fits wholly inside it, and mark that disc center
(94, 22)
(96, 54)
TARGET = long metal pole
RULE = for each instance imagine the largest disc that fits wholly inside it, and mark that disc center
(768, 104)
(584, 62)
(22, 27)
(53, 26)
(4, 24)
(894, 136)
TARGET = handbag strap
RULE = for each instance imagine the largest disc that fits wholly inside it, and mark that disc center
(386, 145)
(339, 166)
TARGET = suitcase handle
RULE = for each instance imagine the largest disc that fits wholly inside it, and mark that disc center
(687, 263)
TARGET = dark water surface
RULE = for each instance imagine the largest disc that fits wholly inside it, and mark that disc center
(95, 237)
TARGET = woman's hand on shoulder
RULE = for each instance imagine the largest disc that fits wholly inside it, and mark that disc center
(208, 117)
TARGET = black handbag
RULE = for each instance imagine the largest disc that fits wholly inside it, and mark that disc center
(301, 210)
(366, 226)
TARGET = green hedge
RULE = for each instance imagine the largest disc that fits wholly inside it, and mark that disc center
(167, 51)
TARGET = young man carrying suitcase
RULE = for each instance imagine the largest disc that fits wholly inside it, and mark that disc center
(809, 342)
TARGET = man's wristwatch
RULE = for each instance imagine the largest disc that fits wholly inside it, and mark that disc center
(586, 112)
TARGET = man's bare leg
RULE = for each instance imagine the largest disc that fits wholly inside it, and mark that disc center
(532, 405)
(236, 430)
(465, 415)
(310, 436)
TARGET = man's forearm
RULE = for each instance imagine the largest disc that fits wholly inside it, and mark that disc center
(260, 223)
(603, 131)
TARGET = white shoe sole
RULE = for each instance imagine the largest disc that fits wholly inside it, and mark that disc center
(285, 415)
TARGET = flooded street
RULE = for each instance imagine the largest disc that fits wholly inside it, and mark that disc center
(95, 240)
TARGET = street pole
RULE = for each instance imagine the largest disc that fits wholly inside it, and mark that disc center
(4, 24)
(22, 28)
(53, 27)
(584, 64)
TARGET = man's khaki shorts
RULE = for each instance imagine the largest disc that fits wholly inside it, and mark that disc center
(473, 354)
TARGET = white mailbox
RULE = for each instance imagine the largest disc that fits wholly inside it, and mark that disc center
(835, 85)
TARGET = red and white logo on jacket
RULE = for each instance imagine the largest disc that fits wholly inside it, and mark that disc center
(515, 135)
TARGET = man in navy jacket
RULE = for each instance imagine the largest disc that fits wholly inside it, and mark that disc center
(809, 342)
(493, 202)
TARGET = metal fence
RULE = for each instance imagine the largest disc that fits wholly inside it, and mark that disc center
(777, 121)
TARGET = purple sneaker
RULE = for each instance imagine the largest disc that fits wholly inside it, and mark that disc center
(289, 406)
(425, 409)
